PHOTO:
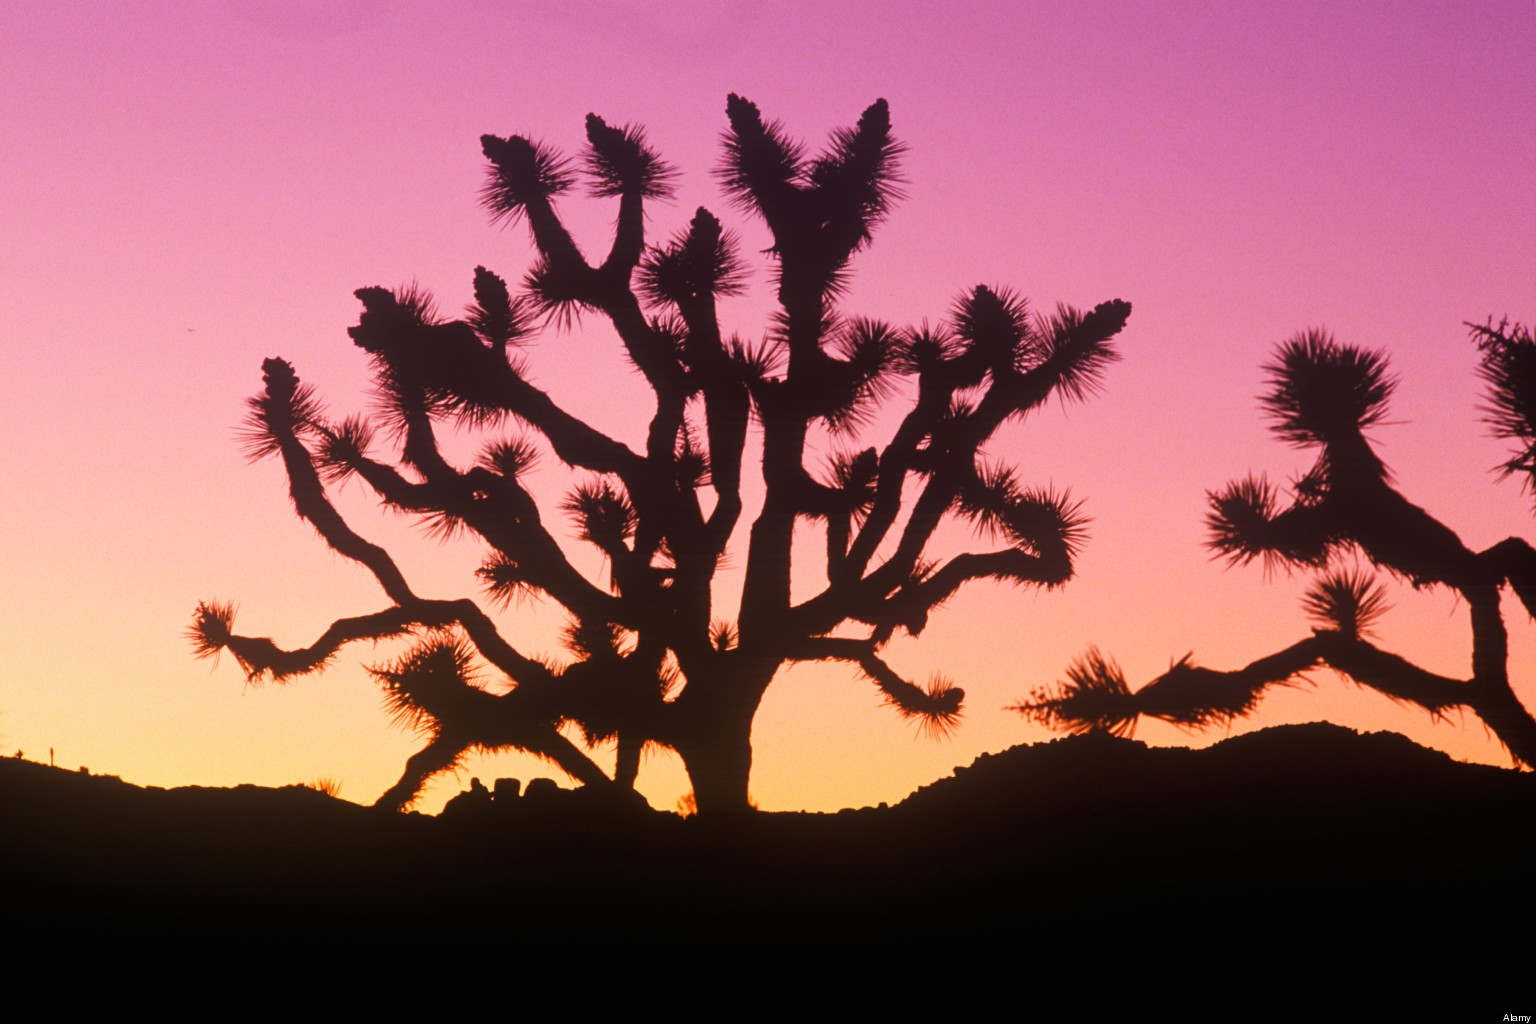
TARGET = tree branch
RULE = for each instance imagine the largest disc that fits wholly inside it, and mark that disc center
(937, 707)
(305, 488)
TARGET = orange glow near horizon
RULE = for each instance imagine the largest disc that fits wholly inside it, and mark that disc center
(192, 190)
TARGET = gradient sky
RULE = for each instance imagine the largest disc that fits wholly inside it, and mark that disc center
(189, 188)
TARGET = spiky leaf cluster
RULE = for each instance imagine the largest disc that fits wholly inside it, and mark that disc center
(859, 376)
(426, 365)
(762, 163)
(1076, 346)
(690, 460)
(504, 580)
(496, 317)
(1321, 391)
(856, 181)
(821, 211)
(1350, 602)
(994, 326)
(603, 515)
(511, 458)
(1509, 368)
(592, 638)
(285, 409)
(342, 448)
(434, 682)
(212, 626)
(620, 162)
(1039, 519)
(520, 172)
(391, 329)
(1245, 521)
(700, 262)
(1093, 698)
(935, 707)
(853, 481)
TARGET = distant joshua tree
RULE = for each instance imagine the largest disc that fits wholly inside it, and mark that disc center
(652, 659)
(1324, 396)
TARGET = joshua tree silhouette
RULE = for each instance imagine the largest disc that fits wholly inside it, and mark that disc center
(651, 661)
(1324, 396)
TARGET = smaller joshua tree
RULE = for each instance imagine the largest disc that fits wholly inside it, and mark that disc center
(1324, 396)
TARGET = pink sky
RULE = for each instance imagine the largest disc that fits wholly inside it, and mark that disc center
(189, 188)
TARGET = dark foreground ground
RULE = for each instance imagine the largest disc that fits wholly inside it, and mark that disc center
(1289, 851)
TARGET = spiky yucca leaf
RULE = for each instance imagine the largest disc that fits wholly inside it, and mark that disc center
(441, 524)
(505, 580)
(433, 682)
(854, 476)
(520, 172)
(994, 324)
(926, 349)
(700, 262)
(666, 276)
(857, 180)
(391, 318)
(690, 461)
(936, 707)
(1240, 517)
(212, 624)
(722, 635)
(619, 162)
(861, 377)
(285, 408)
(591, 638)
(1078, 347)
(758, 360)
(1509, 368)
(1321, 390)
(602, 513)
(986, 496)
(1046, 521)
(342, 448)
(1245, 522)
(511, 457)
(497, 318)
(555, 293)
(714, 256)
(398, 328)
(1093, 698)
(761, 163)
(1350, 602)
(671, 330)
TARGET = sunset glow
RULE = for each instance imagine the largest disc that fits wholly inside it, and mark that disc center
(192, 188)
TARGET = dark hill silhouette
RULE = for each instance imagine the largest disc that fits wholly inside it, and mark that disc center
(1363, 846)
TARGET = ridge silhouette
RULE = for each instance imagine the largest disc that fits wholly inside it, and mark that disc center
(1058, 859)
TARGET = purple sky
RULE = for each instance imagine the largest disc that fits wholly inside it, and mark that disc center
(189, 188)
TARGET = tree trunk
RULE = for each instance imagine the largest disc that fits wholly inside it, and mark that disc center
(715, 740)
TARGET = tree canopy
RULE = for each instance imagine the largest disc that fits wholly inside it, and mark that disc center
(653, 659)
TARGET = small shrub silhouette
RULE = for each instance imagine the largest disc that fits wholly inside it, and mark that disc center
(326, 784)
